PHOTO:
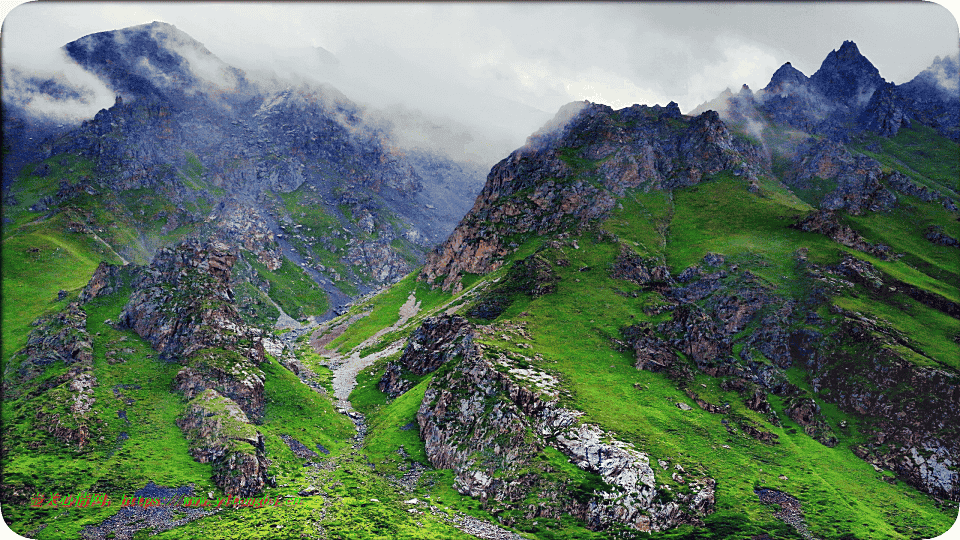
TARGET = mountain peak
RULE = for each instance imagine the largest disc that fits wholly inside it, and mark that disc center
(847, 76)
(153, 59)
(849, 49)
(784, 78)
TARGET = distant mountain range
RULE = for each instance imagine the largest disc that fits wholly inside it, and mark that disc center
(847, 95)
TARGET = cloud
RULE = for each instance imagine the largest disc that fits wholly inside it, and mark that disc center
(77, 94)
(502, 69)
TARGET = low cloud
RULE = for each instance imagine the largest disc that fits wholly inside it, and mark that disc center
(55, 88)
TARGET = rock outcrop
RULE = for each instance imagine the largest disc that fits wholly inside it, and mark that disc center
(915, 408)
(486, 422)
(220, 433)
(491, 421)
(825, 222)
(437, 341)
(183, 305)
(63, 402)
(858, 179)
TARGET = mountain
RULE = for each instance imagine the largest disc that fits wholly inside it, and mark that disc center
(155, 60)
(738, 323)
(847, 97)
(301, 174)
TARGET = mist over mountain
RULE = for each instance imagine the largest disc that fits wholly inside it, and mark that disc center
(206, 138)
(846, 96)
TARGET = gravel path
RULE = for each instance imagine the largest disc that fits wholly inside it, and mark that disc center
(346, 369)
(131, 519)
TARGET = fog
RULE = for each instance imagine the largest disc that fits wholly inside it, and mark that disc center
(478, 79)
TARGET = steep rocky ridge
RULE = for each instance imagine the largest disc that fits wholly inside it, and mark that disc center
(182, 304)
(574, 173)
(489, 420)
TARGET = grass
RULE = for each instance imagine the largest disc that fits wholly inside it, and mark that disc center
(922, 154)
(934, 267)
(930, 331)
(155, 450)
(319, 228)
(293, 289)
(29, 188)
(384, 310)
(38, 261)
(571, 331)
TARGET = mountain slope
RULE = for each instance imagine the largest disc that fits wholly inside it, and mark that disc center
(193, 148)
(780, 322)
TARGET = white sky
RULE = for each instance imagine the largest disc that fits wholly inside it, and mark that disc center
(508, 64)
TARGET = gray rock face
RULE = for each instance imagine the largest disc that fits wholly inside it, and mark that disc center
(437, 341)
(488, 420)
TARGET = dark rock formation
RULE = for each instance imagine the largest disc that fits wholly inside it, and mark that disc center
(651, 352)
(846, 76)
(886, 112)
(219, 433)
(437, 341)
(825, 222)
(806, 412)
(936, 235)
(916, 408)
(857, 178)
(533, 276)
(61, 337)
(106, 280)
(182, 303)
(632, 267)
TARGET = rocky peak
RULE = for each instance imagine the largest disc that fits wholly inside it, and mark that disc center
(847, 76)
(785, 78)
(573, 175)
(940, 79)
(153, 60)
(886, 111)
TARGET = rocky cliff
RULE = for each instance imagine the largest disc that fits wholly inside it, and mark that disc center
(496, 424)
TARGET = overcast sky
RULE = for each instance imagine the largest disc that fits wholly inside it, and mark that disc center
(507, 63)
